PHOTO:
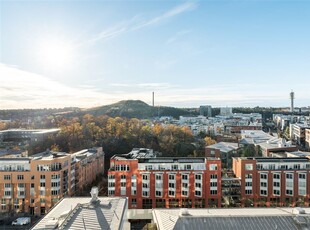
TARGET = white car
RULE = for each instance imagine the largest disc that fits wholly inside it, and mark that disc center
(21, 221)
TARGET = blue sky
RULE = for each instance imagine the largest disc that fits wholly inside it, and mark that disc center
(190, 53)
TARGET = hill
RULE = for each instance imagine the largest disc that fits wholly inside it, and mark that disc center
(137, 109)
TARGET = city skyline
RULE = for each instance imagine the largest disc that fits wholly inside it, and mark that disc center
(190, 53)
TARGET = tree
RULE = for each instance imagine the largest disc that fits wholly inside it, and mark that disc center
(209, 141)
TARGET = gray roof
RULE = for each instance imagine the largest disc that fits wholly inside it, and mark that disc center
(225, 146)
(80, 213)
(234, 218)
(237, 223)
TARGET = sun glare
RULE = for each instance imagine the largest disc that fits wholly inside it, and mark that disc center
(55, 54)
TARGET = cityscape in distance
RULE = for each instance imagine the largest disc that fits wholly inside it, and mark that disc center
(159, 115)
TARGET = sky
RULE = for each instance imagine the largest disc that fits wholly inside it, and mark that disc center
(88, 53)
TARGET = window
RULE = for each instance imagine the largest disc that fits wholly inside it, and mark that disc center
(55, 176)
(123, 177)
(289, 192)
(21, 185)
(171, 185)
(123, 184)
(289, 176)
(145, 177)
(7, 185)
(133, 201)
(213, 176)
(213, 184)
(184, 193)
(276, 184)
(148, 167)
(289, 184)
(158, 177)
(133, 184)
(296, 166)
(42, 192)
(31, 185)
(145, 185)
(31, 200)
(158, 193)
(302, 176)
(276, 192)
(146, 203)
(213, 166)
(197, 193)
(20, 177)
(42, 177)
(184, 176)
(272, 167)
(263, 184)
(187, 167)
(111, 192)
(198, 176)
(133, 192)
(55, 192)
(184, 185)
(174, 167)
(7, 193)
(7, 177)
(263, 176)
(171, 193)
(263, 192)
(145, 193)
(248, 166)
(171, 177)
(197, 185)
(213, 192)
(248, 191)
(16, 203)
(42, 200)
(248, 184)
(111, 177)
(248, 176)
(42, 184)
(276, 176)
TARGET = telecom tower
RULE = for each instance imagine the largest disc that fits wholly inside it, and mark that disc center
(292, 101)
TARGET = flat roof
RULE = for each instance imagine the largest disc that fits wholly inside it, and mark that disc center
(225, 146)
(234, 218)
(80, 213)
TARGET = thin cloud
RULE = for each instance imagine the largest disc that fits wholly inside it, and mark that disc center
(135, 23)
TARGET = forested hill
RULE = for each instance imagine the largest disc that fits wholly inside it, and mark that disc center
(136, 109)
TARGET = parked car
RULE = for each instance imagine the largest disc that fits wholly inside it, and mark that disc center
(22, 221)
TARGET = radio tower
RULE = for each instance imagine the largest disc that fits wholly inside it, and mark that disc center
(292, 101)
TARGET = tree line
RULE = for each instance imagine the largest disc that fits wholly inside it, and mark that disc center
(118, 136)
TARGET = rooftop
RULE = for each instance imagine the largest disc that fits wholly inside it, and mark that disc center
(245, 218)
(225, 146)
(83, 213)
(47, 155)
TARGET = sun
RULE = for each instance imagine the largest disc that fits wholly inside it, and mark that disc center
(56, 53)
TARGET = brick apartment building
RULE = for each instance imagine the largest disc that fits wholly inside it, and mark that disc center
(307, 137)
(165, 182)
(35, 184)
(271, 182)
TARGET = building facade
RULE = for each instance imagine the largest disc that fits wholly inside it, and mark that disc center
(151, 182)
(35, 184)
(273, 182)
(307, 137)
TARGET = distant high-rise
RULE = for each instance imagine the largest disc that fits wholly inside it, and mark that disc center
(292, 101)
(205, 110)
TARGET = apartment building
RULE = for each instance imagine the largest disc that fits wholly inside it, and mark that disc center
(271, 182)
(89, 164)
(156, 182)
(307, 137)
(35, 184)
(299, 133)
